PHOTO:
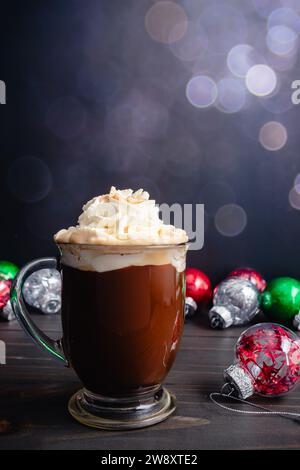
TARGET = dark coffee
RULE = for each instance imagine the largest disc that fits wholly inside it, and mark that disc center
(122, 327)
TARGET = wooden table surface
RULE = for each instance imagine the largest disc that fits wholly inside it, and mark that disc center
(34, 391)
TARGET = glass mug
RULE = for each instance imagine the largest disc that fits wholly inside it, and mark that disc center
(121, 329)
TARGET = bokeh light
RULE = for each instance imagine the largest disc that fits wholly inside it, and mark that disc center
(261, 80)
(58, 214)
(201, 91)
(194, 8)
(284, 17)
(281, 39)
(231, 95)
(166, 22)
(297, 183)
(279, 102)
(109, 102)
(210, 63)
(241, 57)
(293, 4)
(294, 198)
(284, 62)
(215, 194)
(224, 25)
(29, 179)
(193, 44)
(273, 135)
(251, 120)
(230, 220)
(78, 175)
(265, 7)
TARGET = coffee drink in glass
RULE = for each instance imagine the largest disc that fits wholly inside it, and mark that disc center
(122, 309)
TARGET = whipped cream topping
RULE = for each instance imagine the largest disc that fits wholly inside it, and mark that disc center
(122, 217)
(102, 259)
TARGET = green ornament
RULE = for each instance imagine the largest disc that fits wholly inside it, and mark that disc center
(8, 270)
(281, 299)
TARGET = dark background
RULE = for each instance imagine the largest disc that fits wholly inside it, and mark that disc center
(93, 101)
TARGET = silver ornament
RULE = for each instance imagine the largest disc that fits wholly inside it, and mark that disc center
(7, 312)
(42, 290)
(190, 307)
(235, 302)
(296, 321)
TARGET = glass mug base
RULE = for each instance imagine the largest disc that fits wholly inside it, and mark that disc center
(102, 412)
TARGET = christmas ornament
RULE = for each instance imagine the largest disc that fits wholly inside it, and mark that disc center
(250, 275)
(296, 321)
(8, 270)
(198, 290)
(235, 302)
(42, 290)
(7, 312)
(5, 286)
(281, 300)
(267, 361)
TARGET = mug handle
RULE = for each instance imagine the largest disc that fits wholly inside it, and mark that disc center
(54, 347)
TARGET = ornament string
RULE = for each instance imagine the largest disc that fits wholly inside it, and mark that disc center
(215, 395)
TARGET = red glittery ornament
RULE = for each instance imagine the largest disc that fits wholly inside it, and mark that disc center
(5, 285)
(251, 275)
(198, 285)
(267, 361)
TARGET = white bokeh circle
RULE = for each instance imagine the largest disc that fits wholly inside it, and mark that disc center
(230, 220)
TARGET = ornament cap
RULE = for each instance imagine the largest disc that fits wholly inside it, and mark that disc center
(190, 307)
(220, 317)
(240, 380)
(296, 321)
(7, 312)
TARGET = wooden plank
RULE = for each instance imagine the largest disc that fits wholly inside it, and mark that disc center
(34, 391)
(197, 326)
